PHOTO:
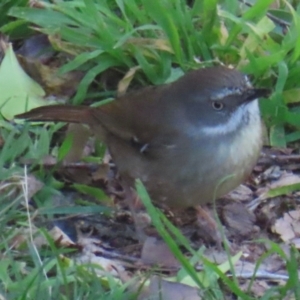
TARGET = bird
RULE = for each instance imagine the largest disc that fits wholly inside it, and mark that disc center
(190, 141)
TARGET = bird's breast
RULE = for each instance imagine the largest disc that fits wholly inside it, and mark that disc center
(234, 159)
(211, 168)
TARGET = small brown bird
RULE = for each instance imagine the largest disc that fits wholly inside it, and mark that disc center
(189, 141)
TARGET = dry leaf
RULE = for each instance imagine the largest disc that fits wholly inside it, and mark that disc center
(288, 227)
(156, 252)
(125, 81)
(161, 289)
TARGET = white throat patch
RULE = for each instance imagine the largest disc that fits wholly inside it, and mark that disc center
(235, 121)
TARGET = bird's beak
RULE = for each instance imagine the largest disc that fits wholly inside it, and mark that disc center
(253, 94)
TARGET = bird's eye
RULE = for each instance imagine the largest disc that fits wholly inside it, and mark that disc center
(217, 105)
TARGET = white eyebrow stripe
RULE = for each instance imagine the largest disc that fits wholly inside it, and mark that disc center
(231, 91)
(227, 92)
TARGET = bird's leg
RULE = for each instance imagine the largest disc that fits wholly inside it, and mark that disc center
(208, 226)
(134, 204)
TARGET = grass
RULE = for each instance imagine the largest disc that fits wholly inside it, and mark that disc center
(158, 41)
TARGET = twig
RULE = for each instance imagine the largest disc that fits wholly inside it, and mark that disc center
(280, 22)
(25, 192)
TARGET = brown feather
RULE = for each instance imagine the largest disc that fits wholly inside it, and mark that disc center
(58, 113)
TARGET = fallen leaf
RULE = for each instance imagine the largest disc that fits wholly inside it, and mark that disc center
(241, 193)
(125, 81)
(162, 289)
(286, 184)
(19, 92)
(156, 252)
(288, 227)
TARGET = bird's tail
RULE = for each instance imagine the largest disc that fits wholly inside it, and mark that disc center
(58, 113)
